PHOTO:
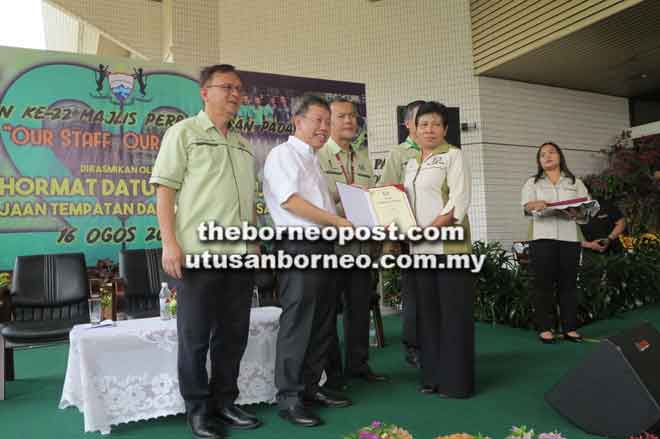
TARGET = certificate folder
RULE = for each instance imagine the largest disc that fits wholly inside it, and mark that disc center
(573, 202)
(379, 206)
(585, 207)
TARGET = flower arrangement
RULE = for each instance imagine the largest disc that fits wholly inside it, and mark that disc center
(628, 181)
(5, 298)
(170, 302)
(462, 436)
(379, 430)
(106, 299)
(629, 242)
(645, 436)
(522, 432)
(105, 269)
(106, 290)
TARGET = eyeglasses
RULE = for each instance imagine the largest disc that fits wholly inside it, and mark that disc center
(318, 121)
(228, 88)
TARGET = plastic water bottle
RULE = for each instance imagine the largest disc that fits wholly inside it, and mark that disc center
(373, 340)
(163, 297)
(255, 297)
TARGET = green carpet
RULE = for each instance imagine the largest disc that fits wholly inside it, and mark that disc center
(513, 372)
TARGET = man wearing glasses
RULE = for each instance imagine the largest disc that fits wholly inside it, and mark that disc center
(297, 195)
(206, 171)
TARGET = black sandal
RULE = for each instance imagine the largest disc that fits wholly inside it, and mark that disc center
(427, 389)
(573, 338)
(550, 340)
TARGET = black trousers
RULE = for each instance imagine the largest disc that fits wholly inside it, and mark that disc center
(409, 302)
(409, 314)
(213, 313)
(445, 329)
(554, 264)
(308, 302)
(354, 288)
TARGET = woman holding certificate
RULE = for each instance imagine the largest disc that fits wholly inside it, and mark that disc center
(555, 245)
(438, 185)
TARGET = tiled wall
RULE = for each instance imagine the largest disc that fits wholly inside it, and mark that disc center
(134, 23)
(401, 50)
(195, 30)
(518, 117)
(61, 29)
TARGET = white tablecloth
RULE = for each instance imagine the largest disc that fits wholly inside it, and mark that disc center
(128, 372)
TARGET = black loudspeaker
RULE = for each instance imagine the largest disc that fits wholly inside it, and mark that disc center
(615, 392)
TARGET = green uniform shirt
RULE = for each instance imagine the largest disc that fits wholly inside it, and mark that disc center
(214, 178)
(246, 112)
(359, 169)
(258, 114)
(268, 113)
(396, 162)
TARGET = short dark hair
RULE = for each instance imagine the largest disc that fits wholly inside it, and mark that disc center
(410, 109)
(342, 101)
(432, 107)
(307, 101)
(207, 73)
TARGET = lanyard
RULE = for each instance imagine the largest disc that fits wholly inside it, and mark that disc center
(349, 179)
(411, 143)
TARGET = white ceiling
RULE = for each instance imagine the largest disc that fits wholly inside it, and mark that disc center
(619, 56)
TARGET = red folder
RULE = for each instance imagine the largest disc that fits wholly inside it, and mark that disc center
(567, 202)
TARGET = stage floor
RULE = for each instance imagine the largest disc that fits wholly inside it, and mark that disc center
(513, 372)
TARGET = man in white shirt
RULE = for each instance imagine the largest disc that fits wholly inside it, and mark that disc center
(297, 195)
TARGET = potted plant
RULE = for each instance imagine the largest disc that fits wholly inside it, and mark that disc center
(5, 281)
(5, 298)
(104, 283)
(171, 303)
(107, 303)
(628, 181)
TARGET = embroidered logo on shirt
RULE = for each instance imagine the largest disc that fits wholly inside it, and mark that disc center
(437, 162)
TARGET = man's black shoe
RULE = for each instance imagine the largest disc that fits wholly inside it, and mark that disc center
(235, 417)
(370, 376)
(336, 384)
(327, 398)
(412, 358)
(203, 427)
(426, 389)
(297, 415)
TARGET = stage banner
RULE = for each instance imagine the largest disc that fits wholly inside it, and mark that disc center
(79, 135)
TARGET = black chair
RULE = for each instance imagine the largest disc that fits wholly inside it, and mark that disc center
(49, 296)
(141, 272)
